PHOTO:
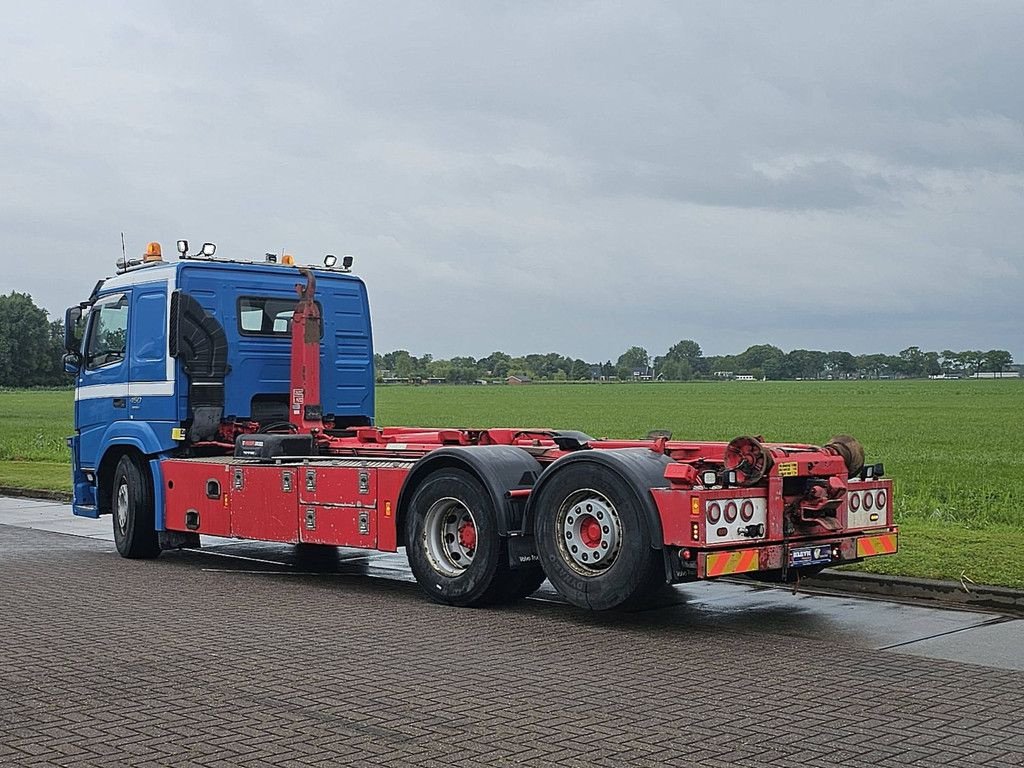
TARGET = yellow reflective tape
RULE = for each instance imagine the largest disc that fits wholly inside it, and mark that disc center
(788, 469)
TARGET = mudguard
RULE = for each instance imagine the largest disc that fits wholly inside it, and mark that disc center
(500, 468)
(138, 434)
(641, 468)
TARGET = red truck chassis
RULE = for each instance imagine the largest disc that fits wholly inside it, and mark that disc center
(487, 514)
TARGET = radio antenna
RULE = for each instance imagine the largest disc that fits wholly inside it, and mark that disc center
(124, 254)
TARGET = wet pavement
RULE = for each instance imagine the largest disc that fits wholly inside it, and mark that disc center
(246, 654)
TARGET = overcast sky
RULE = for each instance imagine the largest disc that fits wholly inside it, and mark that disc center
(537, 177)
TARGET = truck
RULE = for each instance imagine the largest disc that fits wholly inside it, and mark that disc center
(235, 398)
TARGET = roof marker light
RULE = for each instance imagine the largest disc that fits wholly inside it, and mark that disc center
(209, 249)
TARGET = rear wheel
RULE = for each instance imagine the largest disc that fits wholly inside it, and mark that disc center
(452, 541)
(132, 508)
(593, 541)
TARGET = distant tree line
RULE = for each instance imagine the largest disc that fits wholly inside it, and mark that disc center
(685, 361)
(31, 346)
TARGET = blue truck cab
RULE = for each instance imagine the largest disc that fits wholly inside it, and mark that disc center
(164, 352)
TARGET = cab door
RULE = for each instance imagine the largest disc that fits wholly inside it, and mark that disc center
(150, 383)
(101, 394)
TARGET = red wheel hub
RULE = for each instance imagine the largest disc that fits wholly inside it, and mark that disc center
(590, 531)
(467, 535)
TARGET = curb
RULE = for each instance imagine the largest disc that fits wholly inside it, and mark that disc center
(948, 594)
(23, 493)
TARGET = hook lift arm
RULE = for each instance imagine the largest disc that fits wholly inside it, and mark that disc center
(305, 408)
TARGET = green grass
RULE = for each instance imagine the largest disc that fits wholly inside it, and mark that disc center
(35, 475)
(950, 446)
(935, 550)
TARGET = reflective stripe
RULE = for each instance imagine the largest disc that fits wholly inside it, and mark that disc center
(139, 388)
(740, 561)
(886, 544)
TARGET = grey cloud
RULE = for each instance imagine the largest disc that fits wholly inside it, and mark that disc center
(579, 177)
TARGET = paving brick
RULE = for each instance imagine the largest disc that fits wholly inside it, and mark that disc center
(113, 662)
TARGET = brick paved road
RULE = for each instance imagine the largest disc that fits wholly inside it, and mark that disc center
(112, 662)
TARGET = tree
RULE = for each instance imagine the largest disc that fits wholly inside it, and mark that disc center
(687, 349)
(840, 364)
(996, 360)
(761, 360)
(805, 363)
(674, 369)
(495, 364)
(30, 345)
(632, 359)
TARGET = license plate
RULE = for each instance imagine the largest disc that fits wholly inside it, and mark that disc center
(810, 556)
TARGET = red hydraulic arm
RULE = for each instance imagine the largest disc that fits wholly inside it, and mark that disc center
(306, 411)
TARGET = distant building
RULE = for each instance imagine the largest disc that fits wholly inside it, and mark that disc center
(481, 381)
(997, 375)
(744, 377)
(643, 374)
(516, 379)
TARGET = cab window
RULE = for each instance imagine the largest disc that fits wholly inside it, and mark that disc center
(262, 316)
(108, 332)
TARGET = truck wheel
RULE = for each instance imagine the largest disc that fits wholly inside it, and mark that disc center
(131, 505)
(452, 540)
(593, 544)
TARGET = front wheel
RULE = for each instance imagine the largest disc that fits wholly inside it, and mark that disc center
(592, 539)
(132, 508)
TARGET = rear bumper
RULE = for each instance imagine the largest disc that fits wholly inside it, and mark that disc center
(829, 551)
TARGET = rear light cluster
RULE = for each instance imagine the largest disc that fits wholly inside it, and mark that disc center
(730, 509)
(734, 520)
(868, 500)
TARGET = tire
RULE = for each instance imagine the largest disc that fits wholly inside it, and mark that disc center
(592, 538)
(131, 506)
(452, 542)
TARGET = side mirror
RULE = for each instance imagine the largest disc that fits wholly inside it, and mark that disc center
(72, 363)
(72, 318)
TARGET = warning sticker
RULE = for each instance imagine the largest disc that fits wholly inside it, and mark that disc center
(788, 469)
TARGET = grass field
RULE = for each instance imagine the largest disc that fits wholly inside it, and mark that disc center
(950, 446)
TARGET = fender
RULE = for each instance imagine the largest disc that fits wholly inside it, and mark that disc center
(641, 468)
(500, 468)
(138, 434)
